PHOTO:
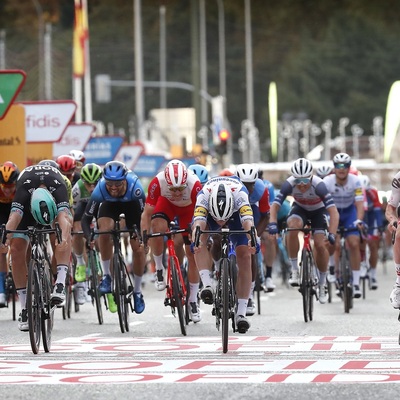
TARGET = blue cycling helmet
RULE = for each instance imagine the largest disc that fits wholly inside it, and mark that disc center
(43, 206)
(115, 171)
(200, 171)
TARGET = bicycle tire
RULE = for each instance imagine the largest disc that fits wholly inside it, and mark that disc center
(177, 294)
(118, 295)
(344, 272)
(312, 285)
(33, 305)
(66, 308)
(125, 291)
(94, 283)
(257, 286)
(11, 294)
(304, 284)
(47, 310)
(232, 288)
(225, 303)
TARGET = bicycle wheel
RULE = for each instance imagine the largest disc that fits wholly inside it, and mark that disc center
(33, 305)
(11, 294)
(94, 283)
(66, 308)
(305, 288)
(118, 292)
(127, 293)
(47, 310)
(345, 275)
(177, 294)
(232, 288)
(225, 303)
(312, 282)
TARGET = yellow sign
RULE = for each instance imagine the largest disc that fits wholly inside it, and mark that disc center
(12, 136)
(38, 152)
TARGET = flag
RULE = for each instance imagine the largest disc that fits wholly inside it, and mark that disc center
(81, 35)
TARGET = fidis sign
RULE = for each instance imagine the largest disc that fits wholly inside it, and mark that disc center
(46, 121)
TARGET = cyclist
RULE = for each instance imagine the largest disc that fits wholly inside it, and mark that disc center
(324, 170)
(118, 192)
(8, 180)
(172, 194)
(81, 192)
(79, 157)
(392, 215)
(259, 201)
(224, 201)
(346, 190)
(28, 210)
(67, 166)
(312, 201)
(200, 171)
(270, 243)
(374, 220)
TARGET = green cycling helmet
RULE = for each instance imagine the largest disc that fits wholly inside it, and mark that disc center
(91, 173)
(43, 206)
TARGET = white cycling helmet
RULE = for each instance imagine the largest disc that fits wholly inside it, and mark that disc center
(324, 170)
(342, 158)
(176, 173)
(302, 168)
(247, 173)
(221, 203)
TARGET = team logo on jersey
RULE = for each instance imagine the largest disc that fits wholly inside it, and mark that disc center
(246, 210)
(200, 212)
(138, 192)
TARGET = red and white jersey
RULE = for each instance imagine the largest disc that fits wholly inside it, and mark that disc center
(159, 187)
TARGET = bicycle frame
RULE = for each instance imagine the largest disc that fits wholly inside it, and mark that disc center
(38, 304)
(225, 297)
(308, 270)
(176, 291)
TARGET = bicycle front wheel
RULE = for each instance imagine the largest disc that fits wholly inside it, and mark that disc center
(47, 310)
(305, 288)
(94, 284)
(33, 305)
(178, 295)
(119, 295)
(225, 303)
(346, 281)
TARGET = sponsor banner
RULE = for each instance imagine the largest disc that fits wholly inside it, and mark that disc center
(75, 137)
(47, 121)
(11, 82)
(102, 149)
(148, 166)
(12, 136)
(129, 154)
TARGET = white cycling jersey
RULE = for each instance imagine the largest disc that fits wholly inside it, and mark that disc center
(344, 195)
(394, 199)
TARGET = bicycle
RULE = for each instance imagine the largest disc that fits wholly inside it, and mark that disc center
(95, 271)
(176, 295)
(225, 296)
(122, 282)
(345, 277)
(309, 275)
(38, 300)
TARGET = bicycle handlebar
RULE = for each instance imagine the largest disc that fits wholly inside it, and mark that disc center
(225, 232)
(169, 234)
(31, 231)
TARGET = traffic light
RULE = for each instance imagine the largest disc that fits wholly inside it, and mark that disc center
(222, 147)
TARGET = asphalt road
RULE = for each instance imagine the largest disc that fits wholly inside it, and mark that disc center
(333, 356)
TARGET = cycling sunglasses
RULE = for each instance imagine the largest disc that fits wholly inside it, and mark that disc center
(177, 189)
(341, 166)
(302, 181)
(114, 183)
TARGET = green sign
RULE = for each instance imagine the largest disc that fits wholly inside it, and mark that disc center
(11, 82)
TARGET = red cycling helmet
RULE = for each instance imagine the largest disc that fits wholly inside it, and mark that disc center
(67, 164)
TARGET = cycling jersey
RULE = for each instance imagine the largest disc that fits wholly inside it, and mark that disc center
(345, 195)
(314, 198)
(240, 199)
(158, 187)
(131, 203)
